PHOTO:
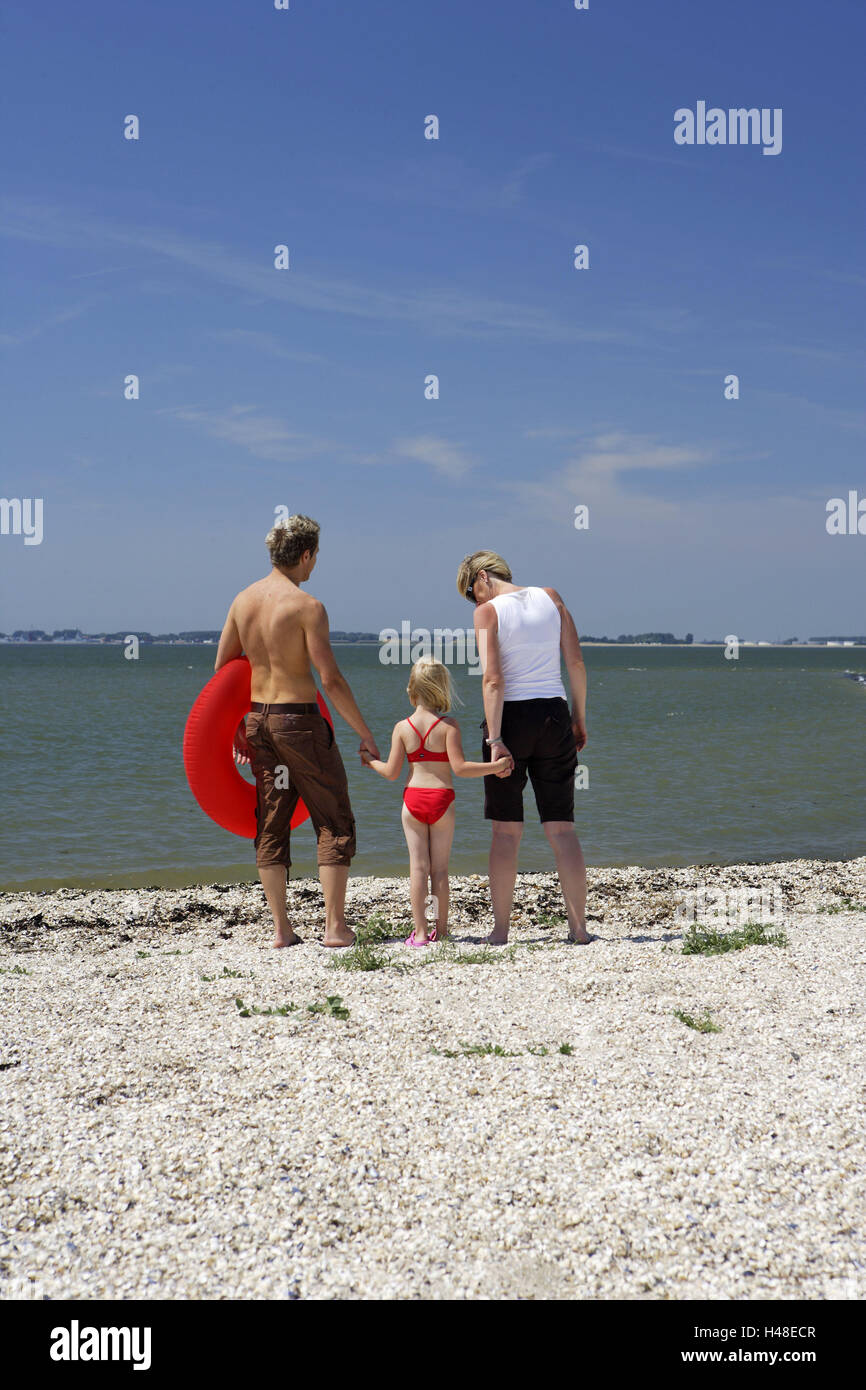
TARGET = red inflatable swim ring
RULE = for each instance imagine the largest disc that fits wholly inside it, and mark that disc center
(208, 740)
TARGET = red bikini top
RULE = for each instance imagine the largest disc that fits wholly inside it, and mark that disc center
(423, 754)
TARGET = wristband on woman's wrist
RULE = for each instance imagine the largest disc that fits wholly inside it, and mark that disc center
(490, 741)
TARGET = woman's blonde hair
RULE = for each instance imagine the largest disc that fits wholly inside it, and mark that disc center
(430, 685)
(472, 566)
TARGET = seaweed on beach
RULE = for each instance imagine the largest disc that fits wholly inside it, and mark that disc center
(364, 955)
(378, 929)
(701, 1025)
(497, 1050)
(706, 941)
(333, 1006)
(483, 955)
(245, 1010)
(843, 905)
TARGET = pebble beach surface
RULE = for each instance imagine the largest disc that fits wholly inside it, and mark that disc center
(159, 1138)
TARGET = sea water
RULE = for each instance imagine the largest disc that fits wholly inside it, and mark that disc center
(691, 759)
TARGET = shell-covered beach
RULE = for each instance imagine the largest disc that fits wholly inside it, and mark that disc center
(188, 1113)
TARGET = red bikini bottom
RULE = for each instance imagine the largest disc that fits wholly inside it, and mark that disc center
(428, 804)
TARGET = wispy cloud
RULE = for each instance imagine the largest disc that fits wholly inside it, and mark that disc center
(514, 186)
(36, 330)
(807, 265)
(679, 539)
(450, 184)
(844, 277)
(447, 458)
(817, 354)
(265, 436)
(438, 309)
(270, 437)
(836, 416)
(108, 270)
(148, 378)
(267, 343)
(595, 475)
(554, 432)
(623, 152)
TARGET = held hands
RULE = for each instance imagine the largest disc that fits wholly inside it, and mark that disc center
(500, 758)
(368, 750)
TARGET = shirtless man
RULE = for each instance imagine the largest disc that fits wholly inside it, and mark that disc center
(290, 745)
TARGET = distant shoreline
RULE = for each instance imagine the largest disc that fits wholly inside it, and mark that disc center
(370, 642)
(806, 882)
(159, 884)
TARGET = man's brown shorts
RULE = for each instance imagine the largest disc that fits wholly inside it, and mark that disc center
(295, 755)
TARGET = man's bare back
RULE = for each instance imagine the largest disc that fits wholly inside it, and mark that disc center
(284, 633)
(272, 617)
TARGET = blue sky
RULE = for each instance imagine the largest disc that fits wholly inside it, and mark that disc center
(305, 387)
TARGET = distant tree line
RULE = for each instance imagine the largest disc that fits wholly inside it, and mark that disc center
(663, 638)
(74, 634)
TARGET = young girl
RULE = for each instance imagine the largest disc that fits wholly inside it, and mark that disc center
(434, 748)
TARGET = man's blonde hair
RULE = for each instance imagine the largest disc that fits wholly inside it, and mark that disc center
(288, 540)
(430, 685)
(472, 566)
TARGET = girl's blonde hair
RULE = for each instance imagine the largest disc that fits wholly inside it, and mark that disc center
(430, 685)
(472, 566)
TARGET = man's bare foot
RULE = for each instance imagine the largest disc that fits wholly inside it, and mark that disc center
(583, 940)
(497, 939)
(289, 938)
(339, 936)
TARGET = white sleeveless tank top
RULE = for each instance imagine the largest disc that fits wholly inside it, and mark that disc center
(529, 631)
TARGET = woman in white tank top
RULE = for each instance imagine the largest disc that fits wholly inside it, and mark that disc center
(522, 633)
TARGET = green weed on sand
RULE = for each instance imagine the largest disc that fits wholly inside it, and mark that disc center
(701, 1025)
(245, 1010)
(333, 1006)
(483, 955)
(497, 1050)
(706, 941)
(378, 928)
(364, 955)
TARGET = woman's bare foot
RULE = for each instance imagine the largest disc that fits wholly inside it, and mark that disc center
(583, 940)
(339, 936)
(497, 938)
(287, 938)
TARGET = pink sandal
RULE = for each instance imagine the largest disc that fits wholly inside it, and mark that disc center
(410, 940)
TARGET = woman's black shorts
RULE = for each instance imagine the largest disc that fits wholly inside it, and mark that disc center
(540, 739)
